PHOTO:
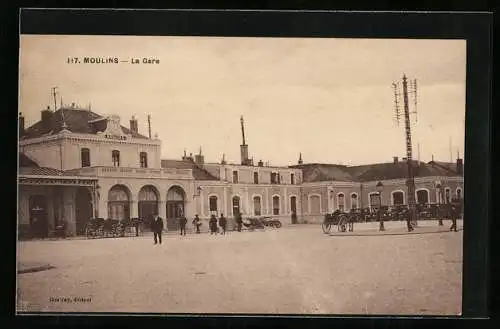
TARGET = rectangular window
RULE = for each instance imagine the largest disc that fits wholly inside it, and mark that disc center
(235, 176)
(115, 155)
(143, 156)
(256, 178)
(85, 157)
(274, 178)
(292, 179)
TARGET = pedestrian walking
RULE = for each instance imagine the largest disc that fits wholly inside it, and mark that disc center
(453, 216)
(239, 221)
(222, 224)
(213, 225)
(157, 227)
(351, 218)
(197, 223)
(294, 217)
(182, 224)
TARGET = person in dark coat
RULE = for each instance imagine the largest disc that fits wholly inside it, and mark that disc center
(351, 218)
(453, 216)
(222, 223)
(197, 223)
(213, 224)
(157, 227)
(239, 221)
(294, 217)
(182, 224)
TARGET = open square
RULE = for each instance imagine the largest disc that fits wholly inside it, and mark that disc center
(295, 269)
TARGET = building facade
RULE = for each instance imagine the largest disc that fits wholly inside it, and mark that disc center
(75, 165)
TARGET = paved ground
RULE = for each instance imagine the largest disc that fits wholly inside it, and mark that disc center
(290, 270)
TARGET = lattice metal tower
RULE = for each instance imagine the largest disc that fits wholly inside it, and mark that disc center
(406, 89)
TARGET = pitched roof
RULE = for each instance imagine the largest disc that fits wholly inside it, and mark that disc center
(379, 171)
(41, 171)
(198, 172)
(77, 121)
(445, 165)
(25, 161)
(317, 172)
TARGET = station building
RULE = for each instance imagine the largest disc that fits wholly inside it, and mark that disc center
(75, 164)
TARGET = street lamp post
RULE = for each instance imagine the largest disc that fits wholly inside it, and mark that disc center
(439, 189)
(380, 187)
(97, 196)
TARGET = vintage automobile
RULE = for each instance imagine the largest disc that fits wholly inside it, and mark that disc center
(252, 223)
(271, 222)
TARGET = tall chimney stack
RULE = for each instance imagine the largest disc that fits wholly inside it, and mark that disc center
(133, 125)
(460, 166)
(47, 119)
(243, 146)
(21, 124)
(395, 160)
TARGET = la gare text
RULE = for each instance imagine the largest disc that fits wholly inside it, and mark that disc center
(112, 60)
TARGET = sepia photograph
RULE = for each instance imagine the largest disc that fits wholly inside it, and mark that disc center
(240, 175)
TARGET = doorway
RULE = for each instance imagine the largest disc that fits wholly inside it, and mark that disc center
(176, 199)
(84, 209)
(39, 224)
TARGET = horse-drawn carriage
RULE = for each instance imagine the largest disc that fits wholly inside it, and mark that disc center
(105, 228)
(337, 218)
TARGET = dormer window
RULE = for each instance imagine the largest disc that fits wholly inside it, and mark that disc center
(115, 157)
(143, 156)
(85, 153)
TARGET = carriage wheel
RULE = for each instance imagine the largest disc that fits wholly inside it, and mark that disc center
(278, 225)
(326, 227)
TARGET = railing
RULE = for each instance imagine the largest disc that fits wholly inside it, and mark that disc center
(133, 172)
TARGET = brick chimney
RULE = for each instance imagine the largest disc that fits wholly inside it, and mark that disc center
(460, 166)
(47, 118)
(199, 159)
(133, 125)
(21, 124)
(261, 164)
(395, 160)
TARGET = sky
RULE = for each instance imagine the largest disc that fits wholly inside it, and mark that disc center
(329, 99)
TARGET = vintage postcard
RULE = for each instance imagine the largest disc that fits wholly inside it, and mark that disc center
(242, 175)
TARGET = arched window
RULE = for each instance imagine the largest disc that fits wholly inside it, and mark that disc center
(354, 201)
(85, 157)
(341, 201)
(276, 205)
(235, 176)
(143, 156)
(256, 206)
(115, 156)
(212, 201)
(293, 204)
(236, 205)
(422, 197)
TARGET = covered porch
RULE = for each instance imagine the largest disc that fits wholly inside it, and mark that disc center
(45, 202)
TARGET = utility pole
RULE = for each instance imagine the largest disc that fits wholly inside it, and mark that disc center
(410, 179)
(149, 125)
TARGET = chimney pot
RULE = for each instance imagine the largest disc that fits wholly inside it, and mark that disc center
(460, 166)
(21, 124)
(396, 160)
(133, 125)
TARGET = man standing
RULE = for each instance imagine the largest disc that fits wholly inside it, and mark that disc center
(222, 224)
(197, 223)
(213, 224)
(239, 221)
(182, 224)
(453, 216)
(157, 227)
